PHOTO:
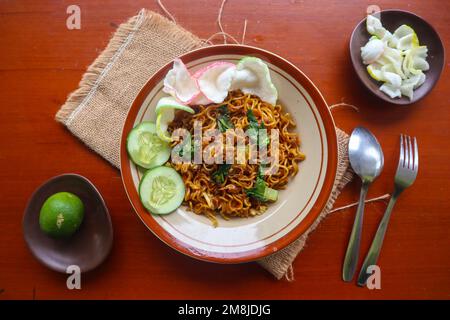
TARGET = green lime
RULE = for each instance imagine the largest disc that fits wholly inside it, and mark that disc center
(61, 214)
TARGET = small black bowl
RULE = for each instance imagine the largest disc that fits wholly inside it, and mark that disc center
(89, 246)
(391, 20)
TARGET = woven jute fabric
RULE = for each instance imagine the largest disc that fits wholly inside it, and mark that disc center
(96, 111)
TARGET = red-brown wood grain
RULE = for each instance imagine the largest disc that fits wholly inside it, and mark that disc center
(41, 61)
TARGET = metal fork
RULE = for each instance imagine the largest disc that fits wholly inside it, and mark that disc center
(406, 174)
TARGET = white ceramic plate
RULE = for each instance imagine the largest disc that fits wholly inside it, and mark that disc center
(246, 239)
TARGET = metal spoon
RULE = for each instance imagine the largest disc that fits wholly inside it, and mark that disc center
(366, 158)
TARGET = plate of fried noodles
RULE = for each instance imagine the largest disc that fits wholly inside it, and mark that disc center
(228, 153)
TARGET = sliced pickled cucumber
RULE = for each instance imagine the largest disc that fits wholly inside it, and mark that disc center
(145, 148)
(165, 113)
(161, 190)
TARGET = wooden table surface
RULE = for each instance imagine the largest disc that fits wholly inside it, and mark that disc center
(41, 61)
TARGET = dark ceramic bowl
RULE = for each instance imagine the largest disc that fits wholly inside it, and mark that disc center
(391, 20)
(89, 246)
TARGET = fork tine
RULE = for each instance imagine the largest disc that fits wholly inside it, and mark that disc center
(410, 150)
(402, 151)
(416, 156)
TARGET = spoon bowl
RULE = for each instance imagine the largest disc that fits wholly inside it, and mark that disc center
(365, 154)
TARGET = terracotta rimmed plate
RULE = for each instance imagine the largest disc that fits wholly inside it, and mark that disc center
(242, 240)
(391, 20)
(89, 246)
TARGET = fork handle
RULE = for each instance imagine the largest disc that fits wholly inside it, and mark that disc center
(352, 253)
(377, 243)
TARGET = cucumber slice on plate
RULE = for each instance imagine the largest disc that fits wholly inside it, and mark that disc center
(161, 190)
(145, 148)
(170, 103)
(165, 113)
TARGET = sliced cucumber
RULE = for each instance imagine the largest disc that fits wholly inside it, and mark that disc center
(161, 190)
(165, 113)
(162, 123)
(171, 103)
(145, 148)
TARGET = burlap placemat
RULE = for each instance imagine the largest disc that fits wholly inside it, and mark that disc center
(96, 111)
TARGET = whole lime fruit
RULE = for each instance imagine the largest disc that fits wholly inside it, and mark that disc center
(61, 215)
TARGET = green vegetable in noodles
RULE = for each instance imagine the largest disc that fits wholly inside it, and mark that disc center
(223, 119)
(220, 174)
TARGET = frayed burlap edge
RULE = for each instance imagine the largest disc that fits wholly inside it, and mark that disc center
(280, 263)
(118, 42)
(98, 68)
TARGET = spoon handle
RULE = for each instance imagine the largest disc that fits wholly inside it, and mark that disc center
(351, 256)
(375, 248)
